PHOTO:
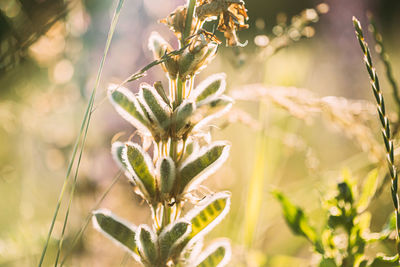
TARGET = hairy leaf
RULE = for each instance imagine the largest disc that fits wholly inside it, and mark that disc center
(155, 106)
(384, 261)
(202, 164)
(172, 236)
(147, 244)
(126, 104)
(210, 110)
(141, 167)
(183, 114)
(208, 214)
(160, 90)
(116, 151)
(117, 230)
(368, 190)
(216, 255)
(211, 87)
(167, 175)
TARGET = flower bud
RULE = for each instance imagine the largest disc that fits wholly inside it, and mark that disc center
(160, 47)
(196, 57)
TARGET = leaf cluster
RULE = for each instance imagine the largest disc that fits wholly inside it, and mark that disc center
(346, 230)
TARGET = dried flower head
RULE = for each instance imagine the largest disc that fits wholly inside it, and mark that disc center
(176, 21)
(231, 13)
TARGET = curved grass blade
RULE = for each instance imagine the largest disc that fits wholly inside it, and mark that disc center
(85, 124)
(116, 229)
(216, 255)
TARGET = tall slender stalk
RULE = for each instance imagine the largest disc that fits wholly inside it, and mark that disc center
(84, 127)
(385, 59)
(384, 122)
(181, 159)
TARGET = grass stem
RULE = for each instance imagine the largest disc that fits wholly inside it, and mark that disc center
(85, 124)
(384, 122)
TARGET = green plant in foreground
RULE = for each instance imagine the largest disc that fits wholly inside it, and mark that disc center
(183, 155)
(386, 133)
(345, 234)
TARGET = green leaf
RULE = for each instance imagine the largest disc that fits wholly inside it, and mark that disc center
(160, 47)
(201, 165)
(167, 175)
(173, 235)
(327, 262)
(368, 190)
(384, 261)
(217, 254)
(208, 214)
(147, 244)
(116, 152)
(155, 106)
(182, 116)
(126, 104)
(193, 60)
(295, 218)
(160, 90)
(121, 232)
(141, 167)
(210, 110)
(211, 87)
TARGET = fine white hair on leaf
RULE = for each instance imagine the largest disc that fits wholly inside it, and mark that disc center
(194, 250)
(203, 205)
(126, 223)
(114, 152)
(170, 226)
(215, 115)
(155, 37)
(218, 243)
(207, 82)
(147, 159)
(166, 185)
(213, 167)
(139, 244)
(164, 106)
(128, 117)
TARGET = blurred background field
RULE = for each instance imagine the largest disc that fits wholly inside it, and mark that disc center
(49, 56)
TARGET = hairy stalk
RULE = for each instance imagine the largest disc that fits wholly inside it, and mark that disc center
(85, 124)
(384, 122)
(385, 59)
(183, 157)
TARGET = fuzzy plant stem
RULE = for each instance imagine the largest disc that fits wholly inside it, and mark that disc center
(180, 84)
(385, 124)
(385, 59)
